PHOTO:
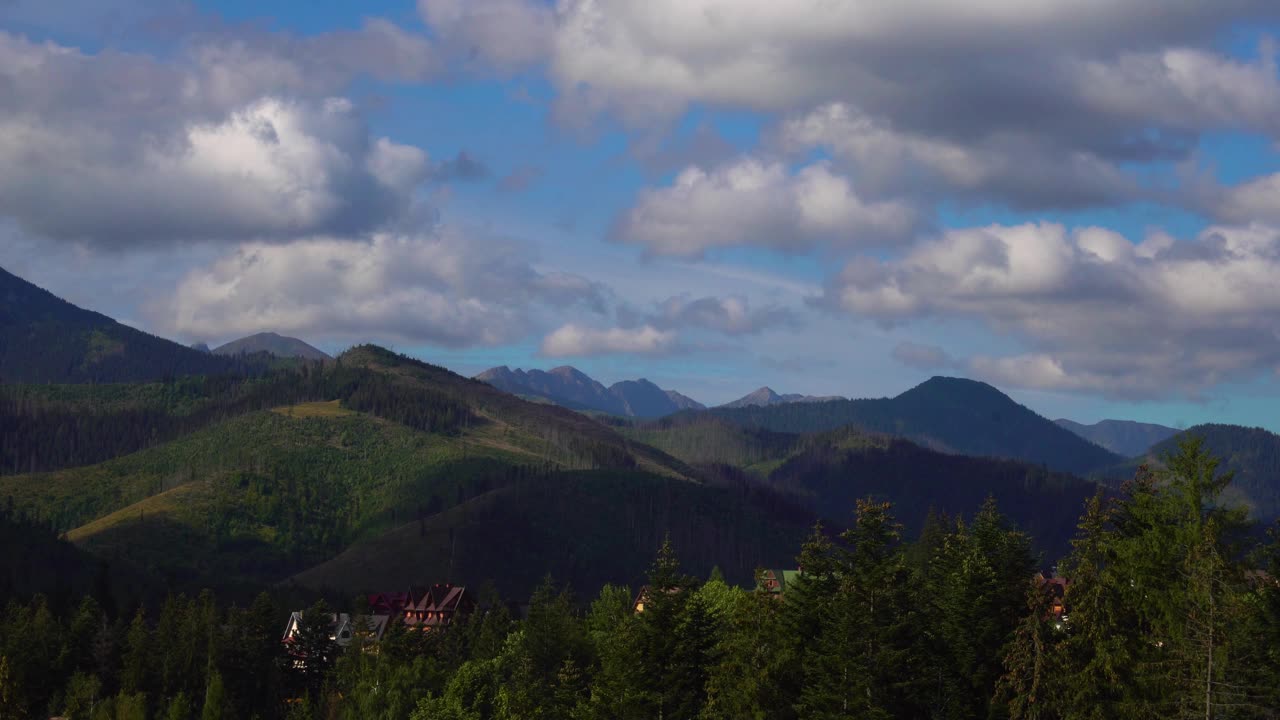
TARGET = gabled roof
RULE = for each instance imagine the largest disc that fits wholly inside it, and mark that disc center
(778, 580)
(342, 627)
(436, 605)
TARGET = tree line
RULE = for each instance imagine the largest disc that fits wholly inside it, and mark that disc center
(1172, 611)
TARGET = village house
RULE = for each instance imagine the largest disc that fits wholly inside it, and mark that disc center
(342, 627)
(422, 607)
(436, 606)
(1056, 588)
(776, 582)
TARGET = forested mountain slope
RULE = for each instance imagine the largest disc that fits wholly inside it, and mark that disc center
(828, 472)
(585, 528)
(1253, 454)
(44, 339)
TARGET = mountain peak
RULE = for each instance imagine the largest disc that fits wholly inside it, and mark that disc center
(272, 343)
(942, 388)
(761, 397)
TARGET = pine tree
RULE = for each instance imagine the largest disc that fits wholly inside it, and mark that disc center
(1157, 589)
(136, 671)
(756, 655)
(313, 650)
(1032, 663)
(11, 704)
(179, 708)
(665, 671)
(857, 664)
(215, 699)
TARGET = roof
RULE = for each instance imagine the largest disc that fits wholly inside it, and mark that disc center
(341, 626)
(778, 580)
(435, 605)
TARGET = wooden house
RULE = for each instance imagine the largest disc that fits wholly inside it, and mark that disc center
(342, 627)
(436, 606)
(776, 582)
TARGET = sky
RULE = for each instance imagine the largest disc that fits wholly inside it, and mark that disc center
(1077, 201)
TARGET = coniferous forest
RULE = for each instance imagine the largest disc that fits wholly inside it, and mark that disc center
(1171, 609)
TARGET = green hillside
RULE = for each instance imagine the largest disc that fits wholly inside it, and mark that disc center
(586, 528)
(253, 496)
(266, 493)
(704, 439)
(828, 472)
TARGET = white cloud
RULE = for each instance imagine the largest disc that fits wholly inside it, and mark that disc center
(660, 56)
(1186, 88)
(274, 168)
(443, 287)
(754, 203)
(231, 141)
(1009, 166)
(1095, 312)
(1041, 104)
(1255, 200)
(576, 340)
(731, 315)
(505, 34)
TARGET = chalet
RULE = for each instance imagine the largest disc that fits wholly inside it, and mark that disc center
(643, 596)
(1056, 588)
(776, 582)
(342, 627)
(436, 606)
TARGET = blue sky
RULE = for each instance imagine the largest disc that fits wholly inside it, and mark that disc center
(1072, 202)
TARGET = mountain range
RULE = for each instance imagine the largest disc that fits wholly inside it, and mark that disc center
(186, 469)
(571, 388)
(1123, 437)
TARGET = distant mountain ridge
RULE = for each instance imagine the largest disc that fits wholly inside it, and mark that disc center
(273, 344)
(765, 396)
(1123, 437)
(953, 415)
(574, 389)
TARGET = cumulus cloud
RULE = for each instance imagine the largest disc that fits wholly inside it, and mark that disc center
(442, 287)
(1255, 200)
(1045, 104)
(118, 150)
(576, 340)
(753, 203)
(727, 315)
(1013, 167)
(503, 34)
(274, 168)
(643, 57)
(1096, 312)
